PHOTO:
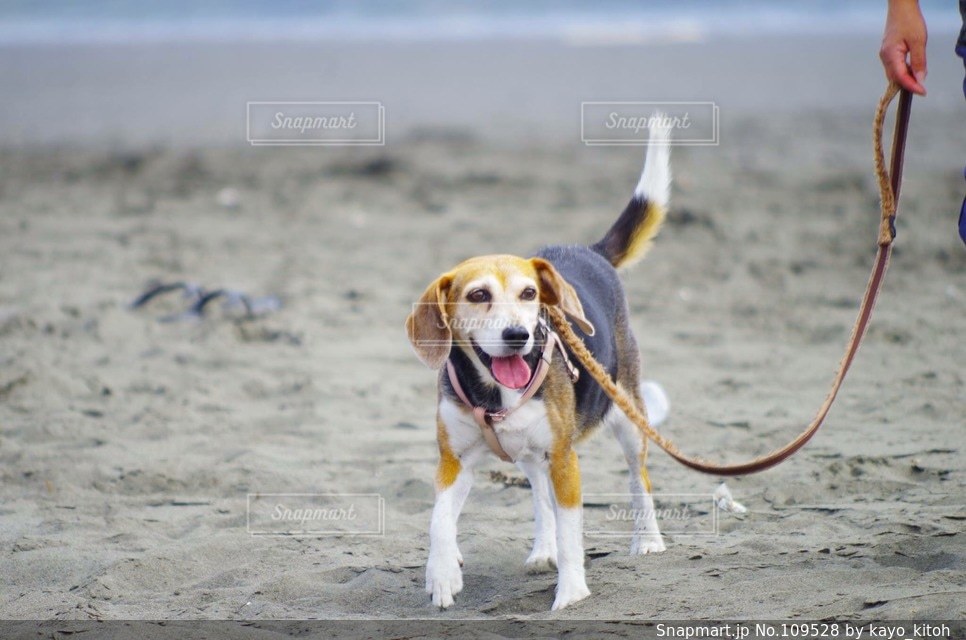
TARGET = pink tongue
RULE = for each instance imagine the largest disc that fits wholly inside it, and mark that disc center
(512, 371)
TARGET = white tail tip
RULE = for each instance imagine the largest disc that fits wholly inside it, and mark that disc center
(655, 182)
(656, 402)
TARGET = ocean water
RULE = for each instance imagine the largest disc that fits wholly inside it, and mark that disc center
(577, 22)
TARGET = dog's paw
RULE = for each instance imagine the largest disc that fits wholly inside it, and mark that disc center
(444, 580)
(543, 558)
(647, 543)
(570, 591)
(724, 501)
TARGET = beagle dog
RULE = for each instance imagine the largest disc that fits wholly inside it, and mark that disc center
(501, 390)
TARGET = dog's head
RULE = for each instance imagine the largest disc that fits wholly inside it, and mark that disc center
(489, 306)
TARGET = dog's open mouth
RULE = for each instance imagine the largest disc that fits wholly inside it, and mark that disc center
(512, 371)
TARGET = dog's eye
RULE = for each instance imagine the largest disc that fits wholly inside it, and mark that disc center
(478, 295)
(528, 294)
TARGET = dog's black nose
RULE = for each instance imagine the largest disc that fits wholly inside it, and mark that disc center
(516, 337)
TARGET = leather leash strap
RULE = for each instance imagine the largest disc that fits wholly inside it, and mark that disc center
(889, 183)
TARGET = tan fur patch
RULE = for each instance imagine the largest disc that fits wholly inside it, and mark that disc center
(643, 236)
(564, 467)
(645, 478)
(502, 267)
(565, 475)
(449, 465)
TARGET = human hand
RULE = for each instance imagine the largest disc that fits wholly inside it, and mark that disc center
(905, 34)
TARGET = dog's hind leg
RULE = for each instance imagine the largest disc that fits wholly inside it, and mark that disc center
(647, 536)
(543, 557)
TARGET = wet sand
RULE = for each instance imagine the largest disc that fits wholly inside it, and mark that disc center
(128, 446)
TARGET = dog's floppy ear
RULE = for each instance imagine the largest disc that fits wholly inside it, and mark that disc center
(554, 290)
(428, 326)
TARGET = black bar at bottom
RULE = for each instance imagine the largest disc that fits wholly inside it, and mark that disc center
(426, 629)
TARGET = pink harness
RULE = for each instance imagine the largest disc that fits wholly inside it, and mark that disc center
(486, 418)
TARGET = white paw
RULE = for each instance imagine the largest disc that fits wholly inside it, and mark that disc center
(444, 580)
(647, 543)
(724, 500)
(543, 558)
(570, 591)
(655, 401)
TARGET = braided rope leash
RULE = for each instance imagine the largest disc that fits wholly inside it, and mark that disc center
(889, 182)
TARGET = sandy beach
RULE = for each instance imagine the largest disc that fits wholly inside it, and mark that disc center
(129, 447)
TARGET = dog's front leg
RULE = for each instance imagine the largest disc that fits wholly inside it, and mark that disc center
(543, 557)
(444, 578)
(565, 477)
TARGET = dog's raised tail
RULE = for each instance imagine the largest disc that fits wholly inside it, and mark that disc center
(630, 238)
